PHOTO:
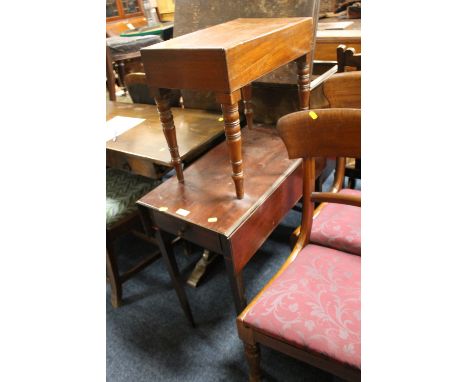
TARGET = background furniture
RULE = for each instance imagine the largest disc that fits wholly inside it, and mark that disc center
(143, 148)
(328, 40)
(122, 191)
(115, 28)
(120, 9)
(110, 76)
(165, 30)
(348, 59)
(310, 310)
(140, 93)
(202, 212)
(166, 10)
(138, 90)
(125, 53)
(225, 58)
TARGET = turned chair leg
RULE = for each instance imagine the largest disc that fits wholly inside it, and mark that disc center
(114, 279)
(252, 354)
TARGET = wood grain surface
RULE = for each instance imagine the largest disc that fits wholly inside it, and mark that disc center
(227, 56)
(207, 191)
(195, 130)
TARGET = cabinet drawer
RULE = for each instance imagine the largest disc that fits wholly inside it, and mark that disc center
(188, 231)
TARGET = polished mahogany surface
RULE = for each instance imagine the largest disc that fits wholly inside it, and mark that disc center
(227, 56)
(205, 191)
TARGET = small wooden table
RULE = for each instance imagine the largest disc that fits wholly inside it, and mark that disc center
(201, 210)
(144, 145)
(328, 40)
(226, 58)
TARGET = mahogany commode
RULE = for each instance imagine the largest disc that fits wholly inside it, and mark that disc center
(226, 58)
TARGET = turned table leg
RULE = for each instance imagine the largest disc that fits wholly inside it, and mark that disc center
(248, 110)
(165, 115)
(233, 137)
(303, 81)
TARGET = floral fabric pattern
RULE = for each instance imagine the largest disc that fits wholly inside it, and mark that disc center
(338, 226)
(315, 304)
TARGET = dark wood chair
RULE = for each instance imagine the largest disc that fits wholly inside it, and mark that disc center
(125, 54)
(310, 310)
(123, 189)
(341, 90)
(348, 59)
(140, 93)
(110, 76)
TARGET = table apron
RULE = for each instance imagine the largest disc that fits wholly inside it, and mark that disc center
(201, 236)
(250, 236)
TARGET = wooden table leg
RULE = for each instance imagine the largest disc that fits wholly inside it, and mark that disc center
(233, 137)
(114, 278)
(235, 280)
(161, 97)
(237, 286)
(303, 81)
(164, 243)
(248, 110)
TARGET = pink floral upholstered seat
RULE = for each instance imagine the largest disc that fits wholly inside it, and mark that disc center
(339, 226)
(315, 304)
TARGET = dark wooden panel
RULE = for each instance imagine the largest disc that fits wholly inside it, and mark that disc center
(202, 236)
(249, 237)
(186, 69)
(251, 60)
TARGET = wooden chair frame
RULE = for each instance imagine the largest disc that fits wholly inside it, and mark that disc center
(110, 76)
(336, 132)
(347, 57)
(131, 223)
(341, 91)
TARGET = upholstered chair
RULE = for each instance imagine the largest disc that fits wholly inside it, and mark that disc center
(311, 308)
(123, 189)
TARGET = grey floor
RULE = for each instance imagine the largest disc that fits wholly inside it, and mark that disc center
(149, 339)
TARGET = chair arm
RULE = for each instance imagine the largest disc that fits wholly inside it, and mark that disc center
(331, 197)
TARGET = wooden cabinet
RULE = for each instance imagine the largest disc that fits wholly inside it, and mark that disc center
(120, 9)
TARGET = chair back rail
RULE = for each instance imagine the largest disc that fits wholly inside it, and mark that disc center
(343, 90)
(321, 132)
(331, 133)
